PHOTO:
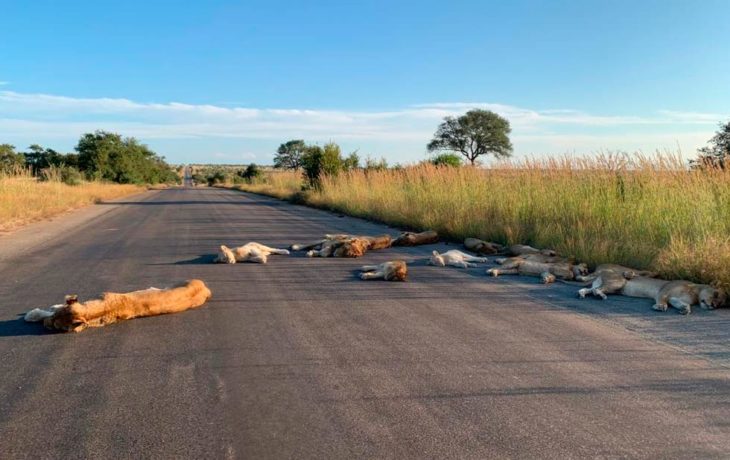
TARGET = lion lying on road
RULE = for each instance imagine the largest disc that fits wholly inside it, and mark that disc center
(396, 270)
(523, 249)
(374, 242)
(344, 245)
(250, 252)
(455, 258)
(483, 247)
(114, 307)
(609, 279)
(682, 295)
(547, 271)
(416, 239)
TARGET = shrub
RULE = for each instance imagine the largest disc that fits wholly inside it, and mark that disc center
(446, 159)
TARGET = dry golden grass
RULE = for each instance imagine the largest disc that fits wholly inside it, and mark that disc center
(23, 199)
(646, 212)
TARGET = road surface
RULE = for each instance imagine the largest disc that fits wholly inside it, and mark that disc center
(300, 359)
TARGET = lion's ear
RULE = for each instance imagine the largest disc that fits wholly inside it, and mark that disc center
(435, 253)
(224, 247)
(72, 299)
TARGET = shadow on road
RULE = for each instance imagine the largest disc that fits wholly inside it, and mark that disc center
(204, 259)
(189, 202)
(18, 327)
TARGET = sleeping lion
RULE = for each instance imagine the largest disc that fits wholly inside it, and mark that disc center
(74, 316)
(455, 258)
(547, 271)
(250, 252)
(395, 270)
(343, 245)
(416, 239)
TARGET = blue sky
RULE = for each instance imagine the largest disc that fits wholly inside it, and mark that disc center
(222, 81)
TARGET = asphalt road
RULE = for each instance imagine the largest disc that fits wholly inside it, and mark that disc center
(300, 359)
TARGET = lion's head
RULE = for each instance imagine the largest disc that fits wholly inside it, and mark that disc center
(711, 298)
(580, 269)
(401, 271)
(437, 259)
(67, 318)
(356, 247)
(225, 256)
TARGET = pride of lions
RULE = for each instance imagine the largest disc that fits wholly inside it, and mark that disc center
(606, 279)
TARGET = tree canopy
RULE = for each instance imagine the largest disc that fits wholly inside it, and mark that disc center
(10, 160)
(717, 153)
(289, 154)
(108, 156)
(476, 133)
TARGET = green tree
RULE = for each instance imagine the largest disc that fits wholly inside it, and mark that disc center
(331, 159)
(351, 162)
(717, 154)
(250, 173)
(289, 154)
(476, 133)
(312, 165)
(371, 164)
(38, 158)
(10, 160)
(446, 159)
(108, 156)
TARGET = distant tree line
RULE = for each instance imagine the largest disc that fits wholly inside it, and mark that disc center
(318, 161)
(215, 175)
(99, 156)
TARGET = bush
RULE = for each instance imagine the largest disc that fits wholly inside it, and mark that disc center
(66, 174)
(215, 178)
(70, 176)
(250, 173)
(446, 159)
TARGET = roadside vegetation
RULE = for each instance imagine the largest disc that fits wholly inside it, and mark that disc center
(25, 199)
(41, 182)
(650, 212)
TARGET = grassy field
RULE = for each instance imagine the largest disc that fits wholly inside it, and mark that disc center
(23, 199)
(646, 212)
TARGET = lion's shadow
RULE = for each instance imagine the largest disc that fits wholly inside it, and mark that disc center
(19, 327)
(204, 259)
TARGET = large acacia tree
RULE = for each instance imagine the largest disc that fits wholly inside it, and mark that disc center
(289, 154)
(476, 133)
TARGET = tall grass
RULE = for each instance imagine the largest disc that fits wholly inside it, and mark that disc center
(646, 212)
(25, 199)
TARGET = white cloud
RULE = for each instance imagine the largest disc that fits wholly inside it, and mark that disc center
(41, 116)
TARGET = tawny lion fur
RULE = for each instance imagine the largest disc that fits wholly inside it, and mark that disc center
(114, 307)
(682, 295)
(250, 252)
(341, 245)
(482, 247)
(609, 279)
(395, 270)
(523, 249)
(416, 239)
(547, 271)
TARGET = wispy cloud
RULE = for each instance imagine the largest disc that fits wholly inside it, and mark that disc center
(24, 115)
(4, 82)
